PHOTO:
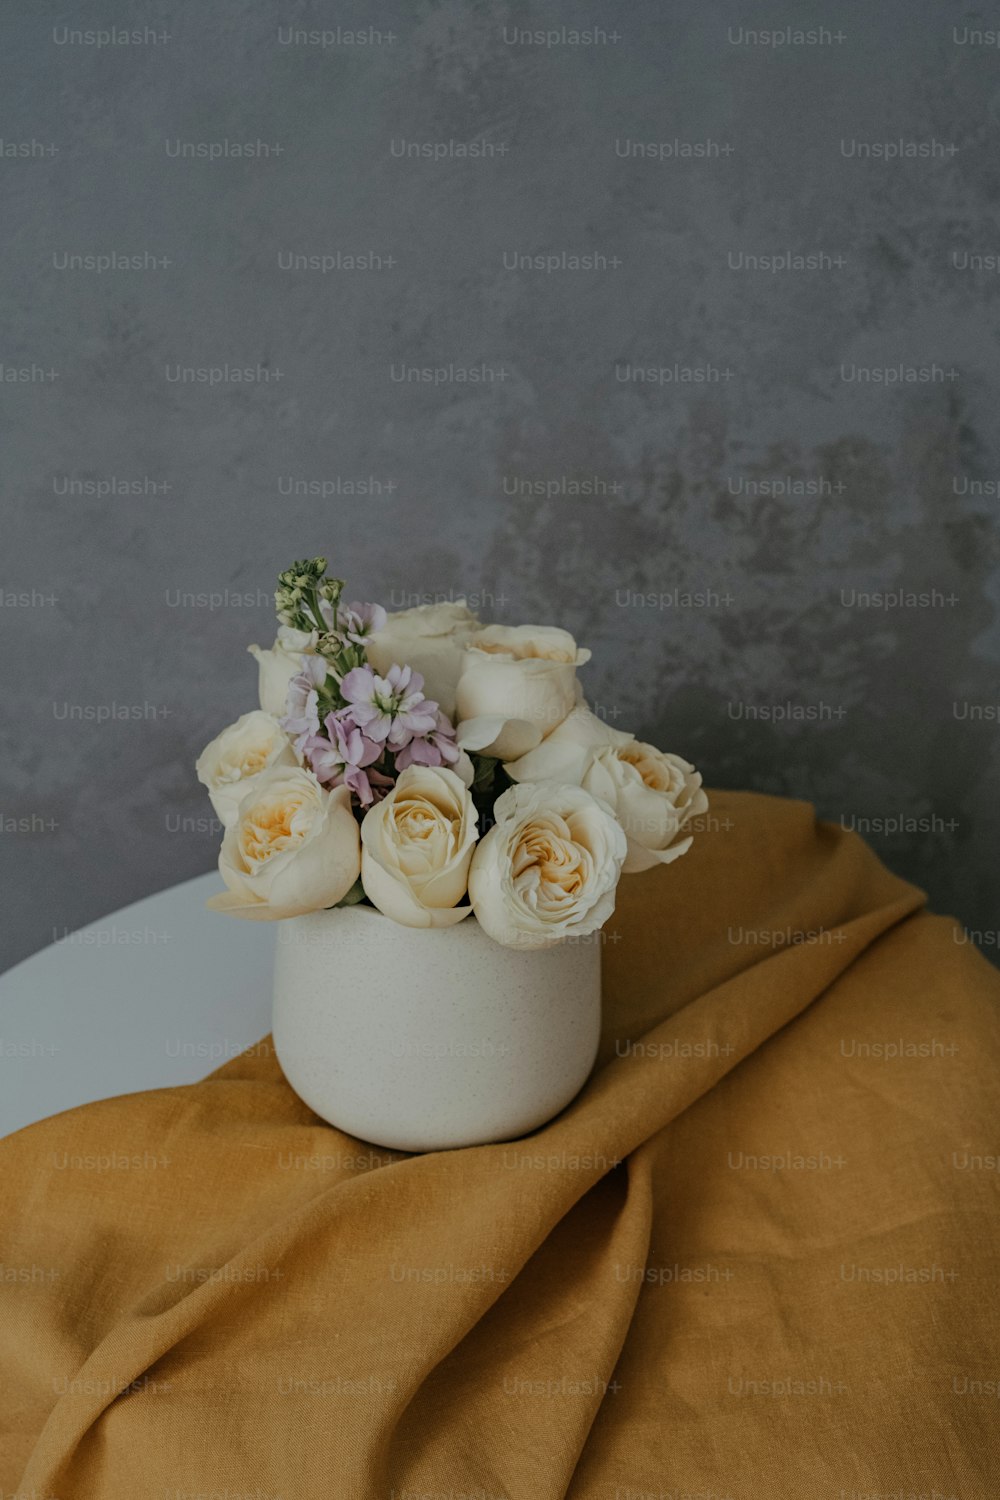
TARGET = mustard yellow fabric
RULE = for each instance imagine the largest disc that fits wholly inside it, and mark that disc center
(756, 1258)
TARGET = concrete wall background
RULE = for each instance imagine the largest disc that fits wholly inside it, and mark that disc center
(890, 486)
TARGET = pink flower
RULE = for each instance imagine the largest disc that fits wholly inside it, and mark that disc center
(301, 705)
(437, 748)
(355, 622)
(390, 709)
(361, 620)
(343, 759)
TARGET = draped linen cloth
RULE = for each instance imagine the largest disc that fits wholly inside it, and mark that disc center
(755, 1259)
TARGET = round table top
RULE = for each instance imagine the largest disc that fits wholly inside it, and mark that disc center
(154, 995)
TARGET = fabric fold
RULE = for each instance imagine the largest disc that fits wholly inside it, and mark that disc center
(747, 1259)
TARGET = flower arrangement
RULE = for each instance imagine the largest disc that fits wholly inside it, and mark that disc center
(434, 767)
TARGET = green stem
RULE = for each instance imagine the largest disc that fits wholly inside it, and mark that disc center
(317, 615)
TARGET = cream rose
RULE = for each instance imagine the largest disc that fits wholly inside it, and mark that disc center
(549, 866)
(431, 640)
(279, 665)
(518, 683)
(235, 760)
(293, 848)
(654, 795)
(566, 753)
(416, 847)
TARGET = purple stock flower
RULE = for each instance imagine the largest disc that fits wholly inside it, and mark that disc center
(301, 707)
(362, 620)
(391, 709)
(436, 748)
(345, 757)
(356, 621)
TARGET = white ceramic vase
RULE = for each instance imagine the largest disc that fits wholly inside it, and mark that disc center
(426, 1039)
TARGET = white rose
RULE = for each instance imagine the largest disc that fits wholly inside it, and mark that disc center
(294, 848)
(232, 764)
(431, 640)
(518, 683)
(654, 795)
(566, 753)
(280, 664)
(416, 847)
(549, 866)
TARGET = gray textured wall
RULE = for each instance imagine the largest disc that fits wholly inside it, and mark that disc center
(888, 486)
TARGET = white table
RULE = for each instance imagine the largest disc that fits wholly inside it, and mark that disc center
(156, 994)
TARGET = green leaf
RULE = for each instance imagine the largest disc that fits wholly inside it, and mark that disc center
(485, 768)
(355, 895)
